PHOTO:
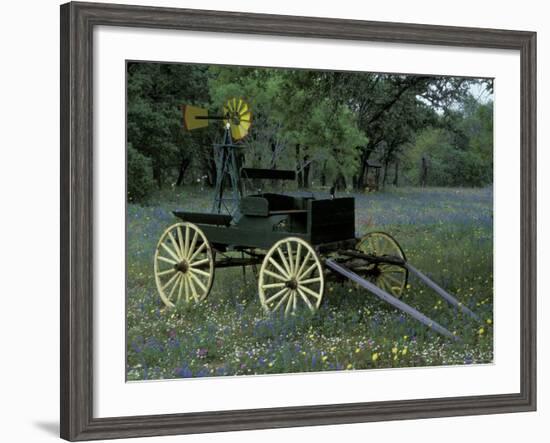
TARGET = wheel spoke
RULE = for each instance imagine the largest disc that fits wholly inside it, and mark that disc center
(181, 287)
(198, 251)
(180, 241)
(167, 260)
(392, 269)
(193, 243)
(175, 244)
(277, 276)
(197, 280)
(281, 301)
(308, 255)
(200, 262)
(393, 279)
(187, 288)
(289, 302)
(168, 271)
(310, 292)
(199, 271)
(283, 259)
(298, 256)
(172, 253)
(193, 289)
(290, 259)
(308, 271)
(311, 280)
(305, 299)
(186, 241)
(174, 287)
(169, 281)
(276, 295)
(273, 285)
(279, 268)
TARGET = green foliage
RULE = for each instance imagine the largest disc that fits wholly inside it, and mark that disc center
(325, 125)
(140, 182)
(457, 152)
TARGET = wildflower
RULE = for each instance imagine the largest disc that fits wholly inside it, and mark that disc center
(481, 331)
(324, 358)
(357, 350)
(374, 356)
(349, 366)
(404, 351)
(394, 350)
(489, 321)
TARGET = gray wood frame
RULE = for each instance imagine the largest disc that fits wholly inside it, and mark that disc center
(77, 24)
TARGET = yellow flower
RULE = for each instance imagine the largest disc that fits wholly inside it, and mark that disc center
(270, 364)
(349, 366)
(481, 331)
(394, 350)
(405, 337)
(333, 349)
(404, 351)
(325, 358)
(311, 336)
(374, 356)
(489, 321)
(357, 350)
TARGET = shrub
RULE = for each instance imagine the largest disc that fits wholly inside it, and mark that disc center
(140, 183)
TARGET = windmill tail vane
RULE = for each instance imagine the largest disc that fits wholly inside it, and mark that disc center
(237, 117)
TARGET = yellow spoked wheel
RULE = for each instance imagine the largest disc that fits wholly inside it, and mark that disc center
(238, 116)
(184, 264)
(291, 277)
(388, 276)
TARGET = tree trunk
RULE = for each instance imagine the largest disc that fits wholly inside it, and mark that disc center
(299, 174)
(157, 172)
(324, 174)
(396, 173)
(307, 167)
(384, 180)
(184, 164)
(423, 172)
(362, 178)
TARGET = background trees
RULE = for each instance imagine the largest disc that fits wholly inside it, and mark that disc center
(327, 126)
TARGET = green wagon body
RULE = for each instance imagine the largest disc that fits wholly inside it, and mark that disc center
(263, 219)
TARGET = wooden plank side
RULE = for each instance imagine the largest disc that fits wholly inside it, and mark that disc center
(331, 220)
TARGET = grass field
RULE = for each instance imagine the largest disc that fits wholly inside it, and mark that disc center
(446, 233)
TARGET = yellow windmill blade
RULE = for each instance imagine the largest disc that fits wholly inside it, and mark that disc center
(239, 117)
(194, 117)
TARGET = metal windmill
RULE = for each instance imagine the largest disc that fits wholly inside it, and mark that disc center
(237, 119)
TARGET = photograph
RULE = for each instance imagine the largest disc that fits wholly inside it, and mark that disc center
(283, 220)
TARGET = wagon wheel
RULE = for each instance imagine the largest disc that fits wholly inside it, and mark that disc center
(184, 264)
(291, 277)
(390, 277)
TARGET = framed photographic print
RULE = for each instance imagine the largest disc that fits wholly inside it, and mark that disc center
(272, 221)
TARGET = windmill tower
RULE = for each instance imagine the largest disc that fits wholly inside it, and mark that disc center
(237, 119)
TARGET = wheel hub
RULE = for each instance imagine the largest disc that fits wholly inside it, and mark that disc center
(292, 284)
(182, 266)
